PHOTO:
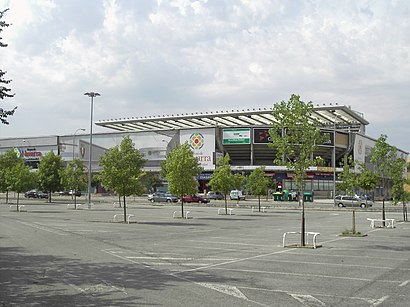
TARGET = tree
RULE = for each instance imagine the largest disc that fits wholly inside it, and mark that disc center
(383, 156)
(7, 161)
(4, 91)
(222, 180)
(74, 178)
(21, 179)
(366, 179)
(398, 181)
(294, 136)
(348, 177)
(122, 170)
(49, 173)
(181, 168)
(258, 184)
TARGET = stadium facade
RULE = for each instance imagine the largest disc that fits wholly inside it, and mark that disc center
(241, 133)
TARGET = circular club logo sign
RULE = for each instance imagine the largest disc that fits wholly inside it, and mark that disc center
(196, 141)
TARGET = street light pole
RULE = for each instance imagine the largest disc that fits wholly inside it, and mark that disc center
(79, 129)
(92, 95)
(334, 154)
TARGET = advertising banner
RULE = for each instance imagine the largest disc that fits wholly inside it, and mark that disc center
(236, 136)
(202, 143)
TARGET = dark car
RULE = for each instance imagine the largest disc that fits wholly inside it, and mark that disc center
(194, 199)
(35, 194)
(76, 193)
(163, 197)
(42, 195)
(214, 195)
(31, 194)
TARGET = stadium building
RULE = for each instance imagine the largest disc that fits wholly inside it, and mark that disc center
(243, 134)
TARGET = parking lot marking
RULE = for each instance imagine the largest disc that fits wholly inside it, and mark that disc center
(43, 227)
(231, 243)
(308, 275)
(226, 289)
(307, 300)
(404, 283)
(381, 300)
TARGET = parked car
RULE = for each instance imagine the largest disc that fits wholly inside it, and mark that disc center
(351, 201)
(35, 194)
(237, 195)
(194, 199)
(77, 193)
(163, 197)
(214, 195)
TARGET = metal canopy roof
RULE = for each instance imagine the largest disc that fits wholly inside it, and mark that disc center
(324, 116)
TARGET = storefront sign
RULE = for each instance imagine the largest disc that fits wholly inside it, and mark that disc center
(237, 136)
(28, 154)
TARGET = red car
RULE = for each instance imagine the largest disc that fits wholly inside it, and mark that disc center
(194, 199)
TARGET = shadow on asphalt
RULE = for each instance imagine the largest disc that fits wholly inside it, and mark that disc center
(42, 280)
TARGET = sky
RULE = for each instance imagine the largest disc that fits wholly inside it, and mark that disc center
(162, 57)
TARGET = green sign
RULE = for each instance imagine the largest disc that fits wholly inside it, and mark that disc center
(236, 136)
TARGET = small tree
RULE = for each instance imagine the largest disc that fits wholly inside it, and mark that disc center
(258, 184)
(49, 173)
(398, 181)
(222, 179)
(366, 179)
(122, 170)
(7, 161)
(181, 168)
(294, 136)
(21, 179)
(383, 156)
(74, 178)
(4, 91)
(348, 177)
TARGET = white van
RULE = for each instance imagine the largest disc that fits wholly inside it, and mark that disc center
(237, 195)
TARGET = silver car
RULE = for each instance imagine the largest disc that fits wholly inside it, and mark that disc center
(351, 201)
(163, 197)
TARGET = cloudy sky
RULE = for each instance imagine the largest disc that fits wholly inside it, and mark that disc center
(148, 57)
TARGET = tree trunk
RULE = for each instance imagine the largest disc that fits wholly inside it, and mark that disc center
(226, 206)
(303, 226)
(259, 202)
(182, 209)
(354, 222)
(75, 200)
(7, 197)
(18, 197)
(404, 212)
(383, 214)
(125, 210)
(119, 200)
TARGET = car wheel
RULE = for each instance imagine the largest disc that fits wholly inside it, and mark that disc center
(362, 206)
(168, 200)
(153, 200)
(340, 205)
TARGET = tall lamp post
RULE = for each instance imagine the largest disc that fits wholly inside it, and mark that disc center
(79, 129)
(91, 95)
(334, 154)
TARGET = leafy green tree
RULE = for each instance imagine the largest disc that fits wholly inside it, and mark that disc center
(398, 182)
(348, 177)
(74, 178)
(366, 179)
(222, 180)
(49, 173)
(383, 156)
(181, 168)
(258, 183)
(7, 161)
(122, 170)
(4, 91)
(294, 136)
(21, 179)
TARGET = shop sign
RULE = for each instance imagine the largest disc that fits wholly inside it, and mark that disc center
(202, 143)
(236, 136)
(28, 154)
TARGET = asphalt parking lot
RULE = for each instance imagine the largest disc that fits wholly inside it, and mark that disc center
(52, 255)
